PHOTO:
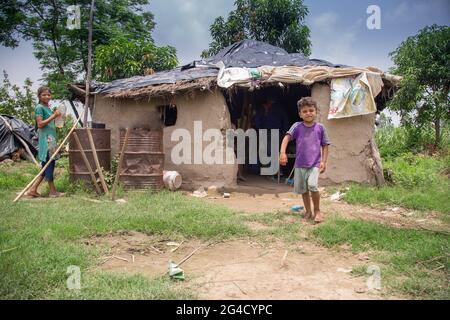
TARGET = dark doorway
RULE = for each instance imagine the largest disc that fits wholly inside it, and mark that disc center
(247, 108)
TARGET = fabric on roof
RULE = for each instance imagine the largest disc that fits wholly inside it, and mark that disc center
(243, 54)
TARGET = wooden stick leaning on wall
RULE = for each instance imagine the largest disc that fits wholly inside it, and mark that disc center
(119, 165)
(97, 163)
(21, 141)
(89, 62)
(86, 163)
(49, 160)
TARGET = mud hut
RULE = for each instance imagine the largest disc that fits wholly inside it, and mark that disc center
(225, 91)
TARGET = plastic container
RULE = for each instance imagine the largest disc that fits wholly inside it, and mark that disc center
(59, 121)
(297, 208)
(172, 180)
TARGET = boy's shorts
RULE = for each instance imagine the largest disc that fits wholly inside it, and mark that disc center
(306, 179)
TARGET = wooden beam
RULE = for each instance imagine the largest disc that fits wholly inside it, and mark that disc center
(97, 163)
(77, 91)
(119, 165)
(89, 65)
(86, 163)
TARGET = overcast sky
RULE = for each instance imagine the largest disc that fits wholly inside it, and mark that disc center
(338, 31)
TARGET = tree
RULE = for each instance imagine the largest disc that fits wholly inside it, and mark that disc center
(61, 52)
(424, 62)
(278, 22)
(17, 102)
(124, 57)
(384, 122)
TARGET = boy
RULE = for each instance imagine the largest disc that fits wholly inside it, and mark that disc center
(311, 155)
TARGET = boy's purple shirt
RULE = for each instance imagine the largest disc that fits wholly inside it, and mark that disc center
(309, 141)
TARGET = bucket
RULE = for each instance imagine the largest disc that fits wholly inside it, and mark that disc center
(172, 180)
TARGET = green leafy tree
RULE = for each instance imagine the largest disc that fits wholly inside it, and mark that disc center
(124, 57)
(424, 62)
(61, 52)
(16, 101)
(278, 22)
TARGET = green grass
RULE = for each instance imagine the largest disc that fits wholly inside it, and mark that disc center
(413, 181)
(413, 262)
(395, 141)
(436, 199)
(40, 238)
(117, 286)
(45, 237)
(278, 226)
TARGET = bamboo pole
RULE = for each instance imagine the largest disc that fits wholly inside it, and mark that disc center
(97, 163)
(21, 141)
(119, 165)
(87, 164)
(49, 160)
(89, 63)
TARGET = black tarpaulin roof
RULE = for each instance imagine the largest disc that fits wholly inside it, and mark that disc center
(253, 54)
(243, 54)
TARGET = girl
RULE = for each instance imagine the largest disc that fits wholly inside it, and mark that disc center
(47, 140)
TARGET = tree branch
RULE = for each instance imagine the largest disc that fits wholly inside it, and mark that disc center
(39, 13)
(54, 36)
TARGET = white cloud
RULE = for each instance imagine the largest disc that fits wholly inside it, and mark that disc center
(185, 25)
(325, 21)
(332, 41)
(401, 11)
(340, 41)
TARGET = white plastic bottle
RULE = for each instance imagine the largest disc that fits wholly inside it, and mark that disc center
(59, 121)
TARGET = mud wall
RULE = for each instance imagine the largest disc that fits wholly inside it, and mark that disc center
(353, 155)
(209, 108)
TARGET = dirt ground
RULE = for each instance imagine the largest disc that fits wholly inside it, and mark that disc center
(258, 195)
(242, 269)
(248, 269)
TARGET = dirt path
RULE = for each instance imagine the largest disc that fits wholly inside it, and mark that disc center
(261, 196)
(273, 269)
(242, 268)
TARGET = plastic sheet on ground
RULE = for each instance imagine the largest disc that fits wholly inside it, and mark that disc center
(175, 272)
(8, 141)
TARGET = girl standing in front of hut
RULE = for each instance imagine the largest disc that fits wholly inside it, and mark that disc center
(45, 120)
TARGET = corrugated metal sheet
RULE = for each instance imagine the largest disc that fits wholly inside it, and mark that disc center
(143, 161)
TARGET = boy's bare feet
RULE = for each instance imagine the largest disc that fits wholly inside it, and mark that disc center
(318, 217)
(308, 215)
